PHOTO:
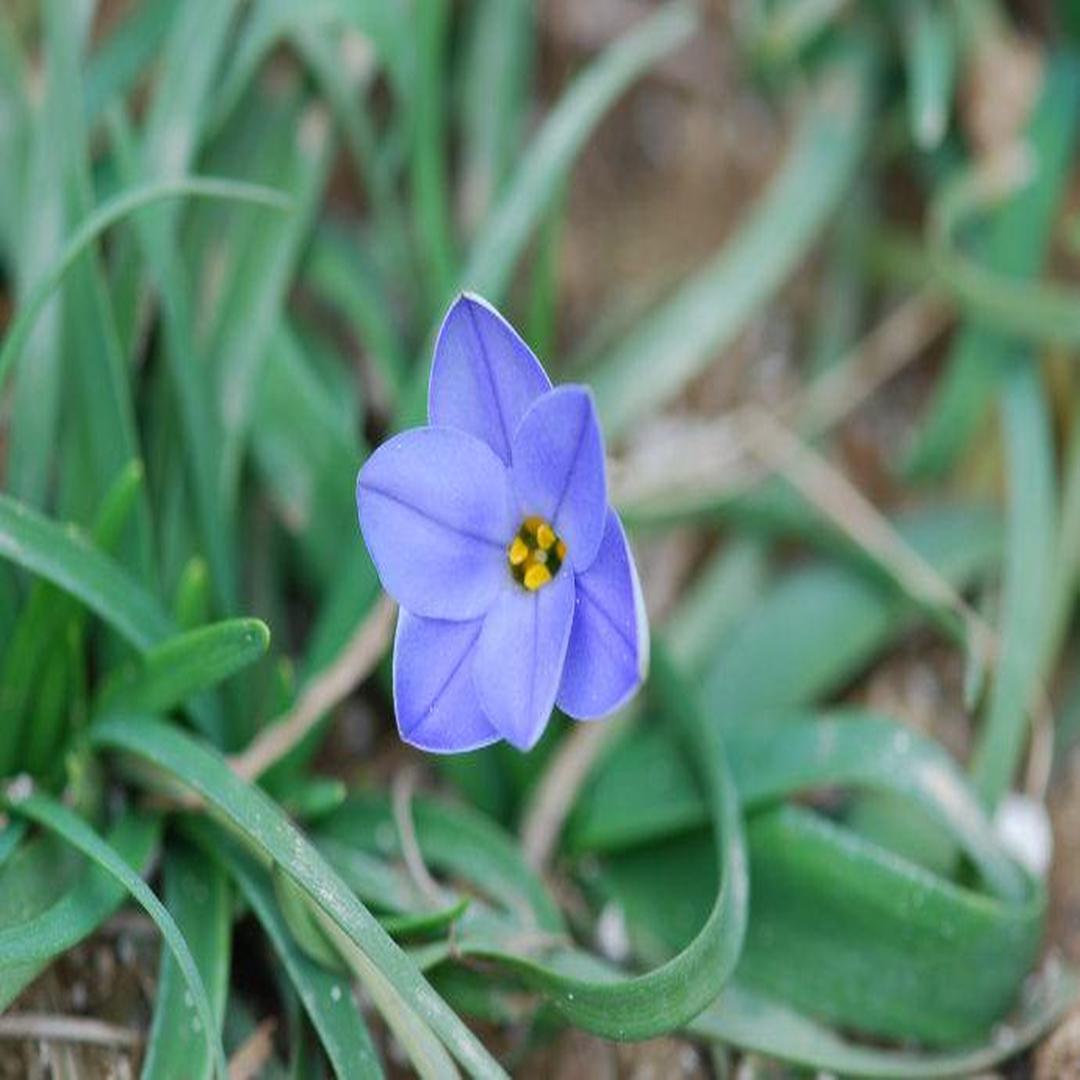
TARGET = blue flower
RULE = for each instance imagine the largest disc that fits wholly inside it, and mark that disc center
(492, 530)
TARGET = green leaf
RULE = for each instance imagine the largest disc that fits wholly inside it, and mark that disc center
(429, 151)
(866, 924)
(496, 75)
(49, 908)
(589, 995)
(118, 62)
(49, 628)
(52, 815)
(264, 827)
(64, 557)
(96, 380)
(1016, 242)
(819, 626)
(755, 1023)
(338, 269)
(10, 838)
(326, 997)
(116, 209)
(303, 925)
(929, 55)
(259, 265)
(859, 917)
(784, 755)
(197, 894)
(452, 838)
(182, 666)
(306, 457)
(681, 337)
(544, 166)
(1028, 580)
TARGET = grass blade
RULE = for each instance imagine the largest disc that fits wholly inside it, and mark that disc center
(67, 907)
(326, 998)
(930, 60)
(1028, 579)
(64, 557)
(265, 827)
(199, 897)
(116, 209)
(184, 665)
(543, 168)
(51, 815)
(676, 341)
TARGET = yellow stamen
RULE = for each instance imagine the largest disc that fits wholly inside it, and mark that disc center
(519, 551)
(536, 554)
(535, 576)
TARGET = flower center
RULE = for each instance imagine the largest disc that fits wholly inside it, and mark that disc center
(535, 554)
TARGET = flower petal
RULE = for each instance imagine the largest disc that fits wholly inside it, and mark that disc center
(558, 469)
(608, 654)
(519, 658)
(434, 697)
(483, 376)
(436, 512)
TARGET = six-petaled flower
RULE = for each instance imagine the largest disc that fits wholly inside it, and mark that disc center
(491, 528)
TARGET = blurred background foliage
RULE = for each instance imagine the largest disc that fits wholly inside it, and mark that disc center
(816, 260)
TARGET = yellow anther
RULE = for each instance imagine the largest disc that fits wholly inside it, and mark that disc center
(536, 554)
(519, 551)
(535, 576)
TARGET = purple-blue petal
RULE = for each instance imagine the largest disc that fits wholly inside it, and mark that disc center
(483, 376)
(435, 699)
(558, 469)
(437, 513)
(608, 654)
(519, 659)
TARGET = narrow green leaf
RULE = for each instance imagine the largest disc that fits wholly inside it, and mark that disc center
(754, 1022)
(52, 815)
(429, 151)
(780, 756)
(119, 61)
(542, 171)
(260, 267)
(101, 414)
(168, 674)
(858, 916)
(994, 288)
(544, 166)
(306, 457)
(10, 837)
(930, 60)
(116, 209)
(819, 626)
(302, 924)
(49, 632)
(197, 894)
(64, 557)
(326, 997)
(495, 73)
(59, 908)
(1028, 579)
(266, 828)
(675, 342)
(191, 606)
(635, 1007)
